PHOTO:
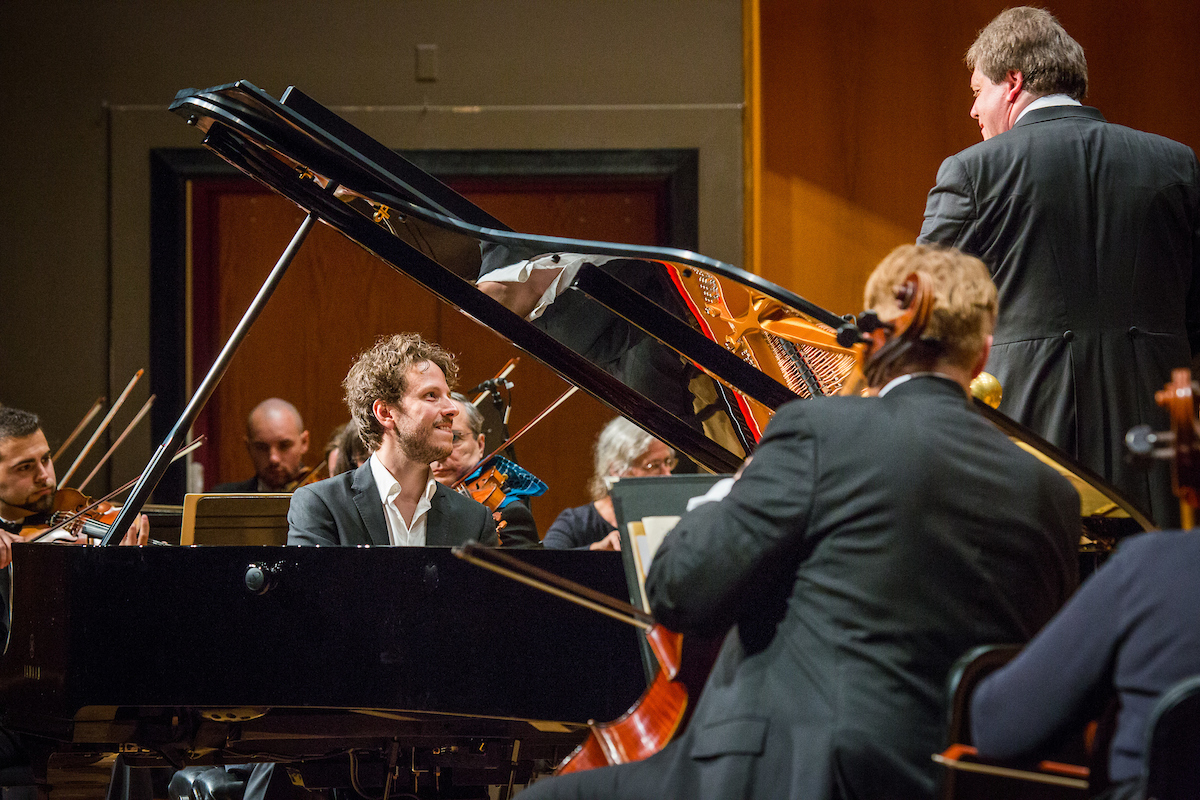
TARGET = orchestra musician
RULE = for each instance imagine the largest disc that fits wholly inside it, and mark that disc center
(398, 392)
(514, 520)
(622, 450)
(1092, 233)
(1129, 630)
(27, 492)
(868, 544)
(277, 443)
(345, 450)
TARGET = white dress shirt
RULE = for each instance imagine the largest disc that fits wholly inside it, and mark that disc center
(401, 533)
(1045, 101)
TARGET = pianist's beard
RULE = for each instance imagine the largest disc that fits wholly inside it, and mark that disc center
(424, 444)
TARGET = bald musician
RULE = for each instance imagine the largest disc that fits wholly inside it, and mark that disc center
(277, 443)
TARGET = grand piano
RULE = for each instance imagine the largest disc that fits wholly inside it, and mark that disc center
(345, 664)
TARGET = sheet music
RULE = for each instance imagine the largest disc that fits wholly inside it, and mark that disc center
(647, 534)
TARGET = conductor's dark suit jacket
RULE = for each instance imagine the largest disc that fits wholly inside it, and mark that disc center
(346, 510)
(869, 543)
(1092, 234)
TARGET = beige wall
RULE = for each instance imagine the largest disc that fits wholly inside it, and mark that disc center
(87, 83)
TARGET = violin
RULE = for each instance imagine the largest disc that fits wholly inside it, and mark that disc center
(307, 475)
(658, 715)
(486, 487)
(496, 482)
(76, 514)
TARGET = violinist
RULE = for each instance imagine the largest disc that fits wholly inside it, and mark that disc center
(277, 443)
(514, 521)
(28, 490)
(870, 542)
(398, 392)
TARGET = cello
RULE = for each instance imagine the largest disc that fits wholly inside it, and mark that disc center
(1181, 444)
(657, 716)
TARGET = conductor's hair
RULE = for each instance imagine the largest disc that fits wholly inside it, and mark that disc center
(15, 423)
(1031, 41)
(381, 373)
(964, 311)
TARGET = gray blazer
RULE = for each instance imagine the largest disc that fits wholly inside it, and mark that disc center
(1092, 234)
(345, 510)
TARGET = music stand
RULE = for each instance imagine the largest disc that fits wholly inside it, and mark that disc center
(235, 519)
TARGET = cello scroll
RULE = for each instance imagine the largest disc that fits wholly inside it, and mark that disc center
(1181, 444)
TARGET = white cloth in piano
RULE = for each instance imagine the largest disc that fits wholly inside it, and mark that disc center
(568, 265)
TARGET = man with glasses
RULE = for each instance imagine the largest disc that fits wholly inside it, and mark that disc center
(514, 521)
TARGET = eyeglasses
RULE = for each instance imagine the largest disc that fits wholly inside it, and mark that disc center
(669, 462)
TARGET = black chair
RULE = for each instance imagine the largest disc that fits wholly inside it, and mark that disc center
(1172, 767)
(970, 777)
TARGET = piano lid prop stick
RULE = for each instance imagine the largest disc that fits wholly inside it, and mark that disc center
(128, 428)
(95, 409)
(101, 427)
(161, 460)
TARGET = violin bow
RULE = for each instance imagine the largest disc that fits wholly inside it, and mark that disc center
(103, 459)
(504, 564)
(93, 411)
(101, 427)
(183, 451)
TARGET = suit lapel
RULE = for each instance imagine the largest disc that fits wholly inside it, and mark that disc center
(370, 509)
(436, 530)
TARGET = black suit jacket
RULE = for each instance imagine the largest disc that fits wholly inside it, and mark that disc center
(345, 510)
(867, 546)
(520, 528)
(1092, 234)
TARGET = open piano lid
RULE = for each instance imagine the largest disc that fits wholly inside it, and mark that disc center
(696, 351)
